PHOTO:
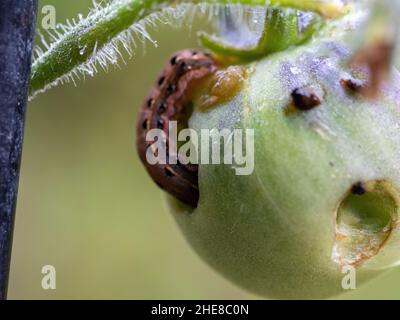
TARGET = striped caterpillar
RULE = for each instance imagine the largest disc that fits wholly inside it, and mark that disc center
(167, 101)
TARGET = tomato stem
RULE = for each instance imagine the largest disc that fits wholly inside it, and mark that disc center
(80, 43)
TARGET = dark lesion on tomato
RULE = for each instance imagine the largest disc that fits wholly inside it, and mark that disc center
(352, 85)
(305, 98)
(358, 188)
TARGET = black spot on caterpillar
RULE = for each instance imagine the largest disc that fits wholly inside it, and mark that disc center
(165, 102)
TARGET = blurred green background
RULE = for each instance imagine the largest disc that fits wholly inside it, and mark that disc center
(86, 204)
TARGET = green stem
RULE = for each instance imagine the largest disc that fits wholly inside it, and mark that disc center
(281, 31)
(80, 43)
(327, 9)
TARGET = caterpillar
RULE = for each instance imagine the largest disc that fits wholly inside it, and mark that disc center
(167, 101)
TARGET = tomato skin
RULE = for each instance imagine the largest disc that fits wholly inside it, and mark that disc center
(274, 231)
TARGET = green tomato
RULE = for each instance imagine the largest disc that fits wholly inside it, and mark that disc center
(325, 191)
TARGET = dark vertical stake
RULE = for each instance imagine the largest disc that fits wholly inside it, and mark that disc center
(17, 25)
